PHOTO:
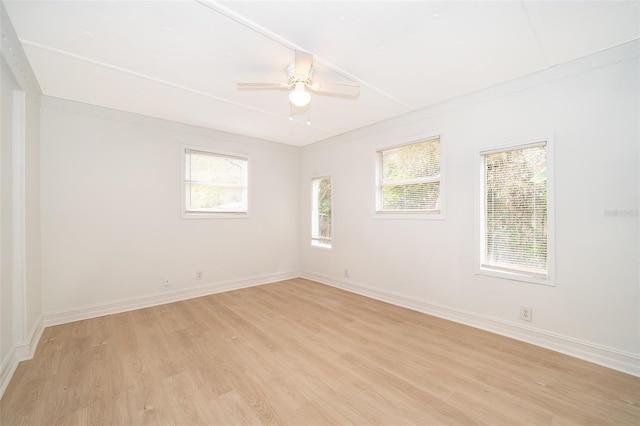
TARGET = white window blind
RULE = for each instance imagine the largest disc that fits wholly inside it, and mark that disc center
(515, 222)
(409, 178)
(321, 201)
(215, 183)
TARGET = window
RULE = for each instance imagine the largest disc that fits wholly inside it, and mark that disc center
(321, 212)
(215, 185)
(408, 178)
(514, 219)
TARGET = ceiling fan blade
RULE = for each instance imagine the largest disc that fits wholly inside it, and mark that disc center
(348, 90)
(303, 63)
(263, 86)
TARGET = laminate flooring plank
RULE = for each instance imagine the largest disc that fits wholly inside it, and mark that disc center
(298, 352)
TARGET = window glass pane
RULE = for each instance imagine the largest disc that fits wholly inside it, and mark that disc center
(516, 210)
(418, 160)
(215, 183)
(418, 196)
(321, 212)
(204, 167)
(202, 197)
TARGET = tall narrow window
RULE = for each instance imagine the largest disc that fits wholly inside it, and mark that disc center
(214, 184)
(321, 212)
(515, 237)
(409, 178)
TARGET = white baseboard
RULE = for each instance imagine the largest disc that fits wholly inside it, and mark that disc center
(607, 357)
(132, 303)
(20, 352)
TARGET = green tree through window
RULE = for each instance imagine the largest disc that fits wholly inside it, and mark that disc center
(321, 212)
(409, 178)
(515, 210)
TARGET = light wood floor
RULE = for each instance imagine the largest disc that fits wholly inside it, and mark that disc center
(298, 352)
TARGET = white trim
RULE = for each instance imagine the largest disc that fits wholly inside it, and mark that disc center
(27, 349)
(18, 203)
(481, 269)
(212, 215)
(517, 145)
(319, 247)
(413, 139)
(13, 53)
(20, 352)
(132, 303)
(409, 215)
(9, 366)
(23, 344)
(623, 361)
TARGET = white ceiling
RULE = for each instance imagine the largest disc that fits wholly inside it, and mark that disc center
(180, 60)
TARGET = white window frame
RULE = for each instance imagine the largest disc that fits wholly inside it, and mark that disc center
(409, 214)
(188, 214)
(314, 201)
(480, 233)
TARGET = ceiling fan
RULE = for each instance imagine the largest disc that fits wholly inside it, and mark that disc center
(300, 81)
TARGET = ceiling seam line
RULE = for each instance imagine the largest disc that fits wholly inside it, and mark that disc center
(217, 7)
(160, 81)
(535, 34)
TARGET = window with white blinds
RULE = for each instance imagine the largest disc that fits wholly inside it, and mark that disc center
(214, 184)
(321, 201)
(409, 178)
(515, 231)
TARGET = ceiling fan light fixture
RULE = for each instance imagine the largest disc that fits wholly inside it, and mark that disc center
(299, 97)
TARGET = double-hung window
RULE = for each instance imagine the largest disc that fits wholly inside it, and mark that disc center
(215, 184)
(321, 201)
(409, 178)
(515, 234)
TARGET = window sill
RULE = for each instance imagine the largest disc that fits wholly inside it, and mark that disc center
(409, 215)
(515, 276)
(226, 215)
(321, 246)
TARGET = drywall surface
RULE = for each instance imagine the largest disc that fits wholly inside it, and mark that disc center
(590, 109)
(111, 210)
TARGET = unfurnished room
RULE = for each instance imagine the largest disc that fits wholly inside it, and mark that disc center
(320, 212)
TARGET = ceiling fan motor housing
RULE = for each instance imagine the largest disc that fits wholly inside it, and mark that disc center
(293, 78)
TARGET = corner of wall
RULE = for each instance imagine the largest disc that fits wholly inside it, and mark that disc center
(20, 352)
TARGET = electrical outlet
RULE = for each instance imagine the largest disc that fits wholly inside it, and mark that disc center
(166, 282)
(526, 313)
(199, 275)
(346, 273)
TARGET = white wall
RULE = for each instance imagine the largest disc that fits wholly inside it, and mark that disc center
(591, 108)
(20, 280)
(111, 225)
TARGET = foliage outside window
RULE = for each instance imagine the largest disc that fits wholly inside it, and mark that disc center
(515, 218)
(409, 178)
(215, 183)
(321, 212)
